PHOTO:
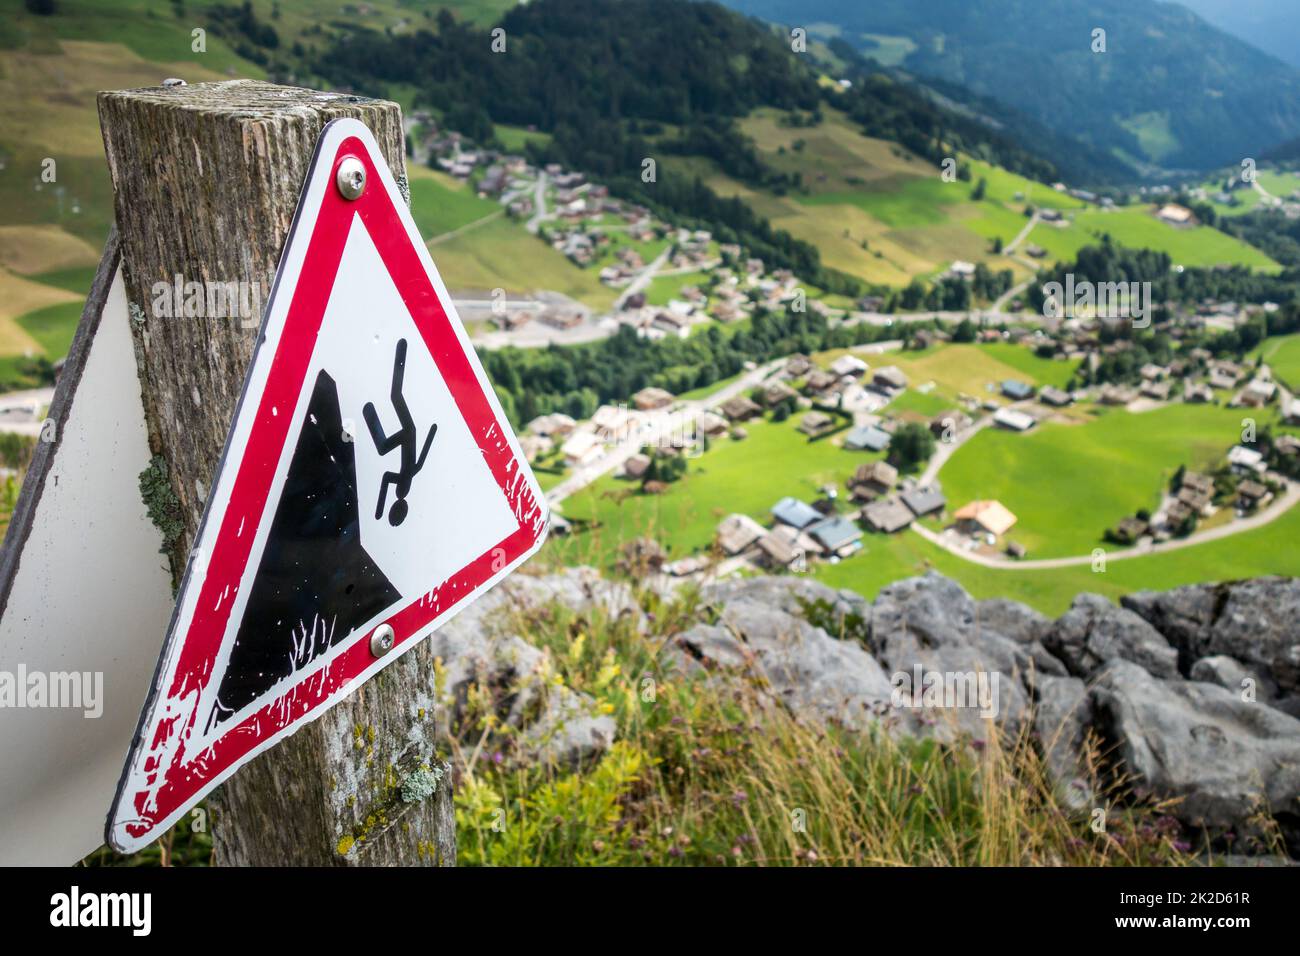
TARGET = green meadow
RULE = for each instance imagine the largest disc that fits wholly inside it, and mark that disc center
(1283, 356)
(746, 476)
(1067, 483)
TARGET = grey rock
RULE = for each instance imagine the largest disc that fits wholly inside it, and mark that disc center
(1255, 621)
(1225, 758)
(1230, 673)
(931, 623)
(1062, 716)
(1094, 631)
(811, 672)
(1023, 625)
(480, 645)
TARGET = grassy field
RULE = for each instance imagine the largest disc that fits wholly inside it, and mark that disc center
(1283, 356)
(501, 254)
(441, 204)
(739, 476)
(878, 213)
(1267, 550)
(975, 370)
(1068, 483)
(747, 476)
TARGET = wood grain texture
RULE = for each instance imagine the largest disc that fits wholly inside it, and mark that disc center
(206, 181)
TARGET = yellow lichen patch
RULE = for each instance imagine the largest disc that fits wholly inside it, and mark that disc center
(345, 845)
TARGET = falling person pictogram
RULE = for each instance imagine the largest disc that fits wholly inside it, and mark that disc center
(404, 438)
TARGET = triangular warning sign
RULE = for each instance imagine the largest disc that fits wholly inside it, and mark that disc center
(370, 488)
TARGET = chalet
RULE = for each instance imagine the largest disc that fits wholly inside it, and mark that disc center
(838, 536)
(1176, 515)
(1196, 500)
(672, 323)
(651, 398)
(1157, 389)
(1287, 445)
(873, 479)
(819, 381)
(612, 422)
(889, 379)
(1117, 394)
(710, 424)
(795, 513)
(535, 445)
(848, 365)
(868, 438)
(1175, 215)
(1014, 420)
(581, 448)
(562, 319)
(815, 423)
(1016, 550)
(636, 466)
(991, 517)
(1257, 393)
(1197, 392)
(1197, 482)
(557, 423)
(1016, 390)
(684, 567)
(740, 409)
(1151, 372)
(727, 312)
(1245, 460)
(887, 515)
(776, 393)
(1291, 411)
(1051, 395)
(509, 321)
(1251, 494)
(924, 501)
(949, 423)
(1221, 380)
(797, 366)
(778, 550)
(736, 533)
(1130, 529)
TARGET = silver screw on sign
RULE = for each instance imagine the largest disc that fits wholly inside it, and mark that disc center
(351, 178)
(382, 641)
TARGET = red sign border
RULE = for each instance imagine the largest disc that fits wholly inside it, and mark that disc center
(185, 777)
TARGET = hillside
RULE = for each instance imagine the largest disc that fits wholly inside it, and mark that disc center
(1170, 91)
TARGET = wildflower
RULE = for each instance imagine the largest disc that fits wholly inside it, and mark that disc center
(1182, 846)
(739, 797)
(598, 845)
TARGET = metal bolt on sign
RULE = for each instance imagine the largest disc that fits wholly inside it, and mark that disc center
(351, 178)
(382, 641)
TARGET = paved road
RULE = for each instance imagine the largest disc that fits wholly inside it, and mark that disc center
(659, 424)
(945, 450)
(642, 278)
(1010, 247)
(539, 205)
(19, 411)
(1284, 503)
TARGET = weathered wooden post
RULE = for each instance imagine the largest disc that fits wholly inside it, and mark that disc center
(206, 181)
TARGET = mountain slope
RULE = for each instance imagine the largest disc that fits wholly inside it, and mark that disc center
(1170, 90)
(1271, 25)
